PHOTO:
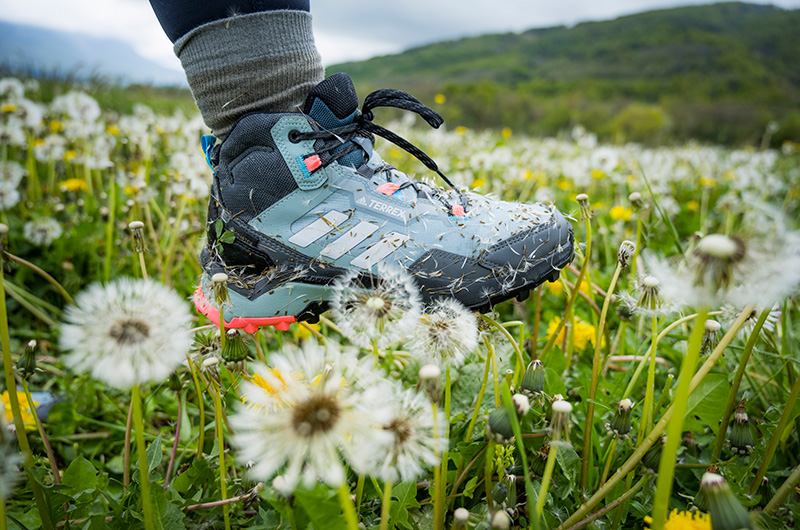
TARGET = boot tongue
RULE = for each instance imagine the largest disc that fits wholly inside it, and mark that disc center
(333, 102)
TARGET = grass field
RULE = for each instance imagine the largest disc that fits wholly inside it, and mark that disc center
(667, 349)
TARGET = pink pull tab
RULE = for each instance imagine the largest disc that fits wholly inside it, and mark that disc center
(388, 188)
(458, 210)
(312, 162)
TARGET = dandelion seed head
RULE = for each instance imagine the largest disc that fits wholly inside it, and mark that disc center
(126, 333)
(446, 334)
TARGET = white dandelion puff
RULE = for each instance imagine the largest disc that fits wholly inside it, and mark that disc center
(308, 420)
(127, 332)
(42, 231)
(381, 310)
(446, 334)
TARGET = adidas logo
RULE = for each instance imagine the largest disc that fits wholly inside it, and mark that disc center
(361, 201)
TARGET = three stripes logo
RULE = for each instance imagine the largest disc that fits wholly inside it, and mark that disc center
(350, 239)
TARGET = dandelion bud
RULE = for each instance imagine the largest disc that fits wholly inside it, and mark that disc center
(765, 492)
(219, 283)
(717, 256)
(650, 294)
(210, 366)
(460, 519)
(539, 460)
(533, 380)
(625, 312)
(560, 423)
(234, 352)
(175, 382)
(626, 251)
(26, 366)
(500, 521)
(700, 500)
(620, 424)
(710, 336)
(521, 403)
(652, 458)
(636, 200)
(583, 202)
(741, 437)
(430, 382)
(500, 492)
(498, 426)
(727, 513)
(137, 231)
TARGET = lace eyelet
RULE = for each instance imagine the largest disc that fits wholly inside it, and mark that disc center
(293, 136)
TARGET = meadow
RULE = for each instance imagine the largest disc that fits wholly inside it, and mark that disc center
(654, 385)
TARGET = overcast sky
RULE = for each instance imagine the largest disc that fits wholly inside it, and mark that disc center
(344, 29)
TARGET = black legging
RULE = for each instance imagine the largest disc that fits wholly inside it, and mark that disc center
(179, 17)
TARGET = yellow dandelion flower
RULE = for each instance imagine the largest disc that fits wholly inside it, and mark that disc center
(271, 390)
(70, 155)
(159, 129)
(564, 184)
(461, 130)
(112, 130)
(631, 179)
(584, 333)
(478, 183)
(130, 190)
(730, 176)
(440, 99)
(24, 407)
(528, 174)
(620, 213)
(506, 132)
(598, 174)
(693, 205)
(56, 126)
(8, 107)
(599, 205)
(73, 185)
(707, 182)
(302, 332)
(684, 521)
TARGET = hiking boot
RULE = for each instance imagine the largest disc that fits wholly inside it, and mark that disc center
(300, 199)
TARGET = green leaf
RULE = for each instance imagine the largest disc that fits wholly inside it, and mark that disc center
(155, 453)
(168, 516)
(80, 480)
(553, 382)
(406, 495)
(322, 507)
(469, 487)
(196, 477)
(218, 226)
(707, 403)
(227, 237)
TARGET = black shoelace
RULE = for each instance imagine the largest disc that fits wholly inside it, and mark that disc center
(364, 126)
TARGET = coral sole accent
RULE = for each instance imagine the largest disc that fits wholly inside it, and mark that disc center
(248, 324)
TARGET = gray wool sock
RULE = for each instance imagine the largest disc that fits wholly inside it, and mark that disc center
(264, 61)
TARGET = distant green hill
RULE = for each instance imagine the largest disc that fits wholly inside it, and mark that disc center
(719, 73)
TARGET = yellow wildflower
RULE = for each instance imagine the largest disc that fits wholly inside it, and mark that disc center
(584, 333)
(24, 407)
(557, 287)
(598, 174)
(271, 390)
(630, 179)
(130, 190)
(730, 176)
(684, 521)
(73, 185)
(564, 184)
(70, 155)
(528, 174)
(708, 182)
(620, 213)
(56, 126)
(506, 132)
(478, 183)
(693, 205)
(112, 129)
(461, 130)
(8, 107)
(440, 99)
(302, 332)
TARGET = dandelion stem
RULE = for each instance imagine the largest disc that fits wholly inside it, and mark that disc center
(588, 431)
(581, 275)
(647, 410)
(349, 510)
(42, 433)
(537, 317)
(223, 471)
(2, 512)
(52, 281)
(167, 273)
(112, 194)
(777, 434)
(126, 451)
(783, 492)
(722, 431)
(385, 504)
(445, 436)
(512, 414)
(666, 468)
(437, 476)
(654, 434)
(609, 458)
(495, 376)
(479, 400)
(359, 490)
(199, 391)
(144, 469)
(487, 473)
(546, 476)
(611, 505)
(513, 343)
(177, 439)
(11, 386)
